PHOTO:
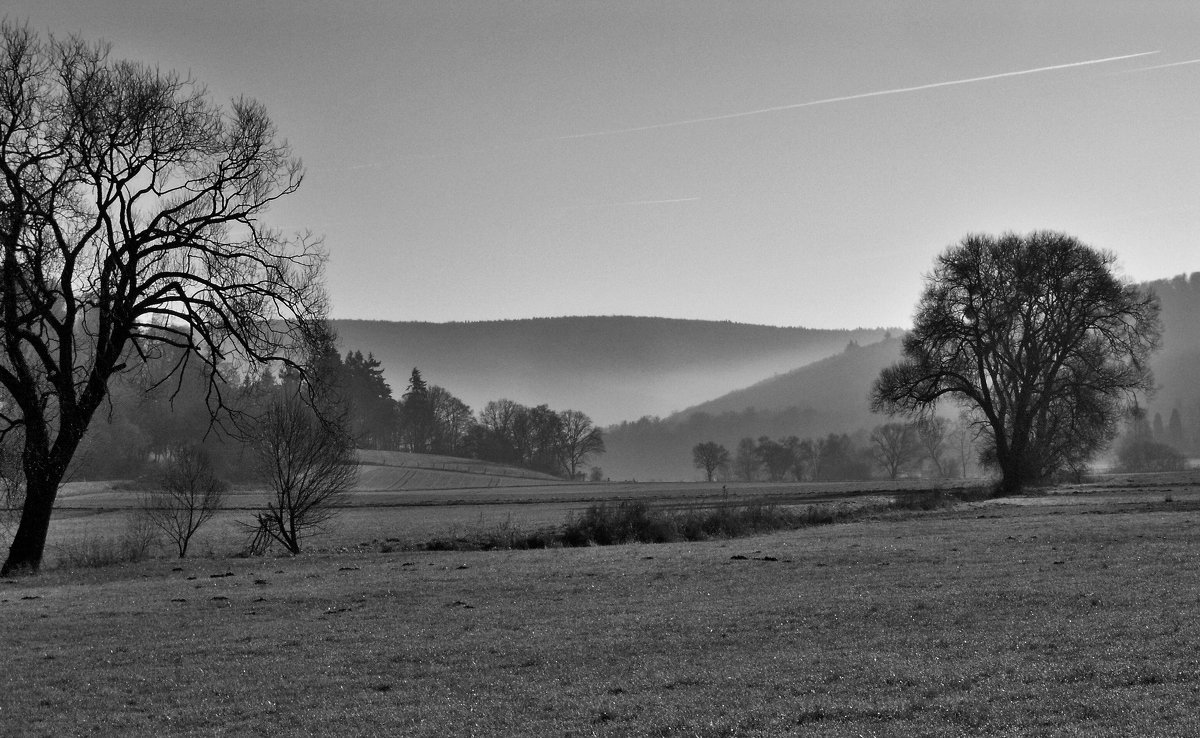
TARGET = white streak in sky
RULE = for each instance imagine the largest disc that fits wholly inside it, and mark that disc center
(628, 203)
(749, 113)
(847, 98)
(658, 202)
(1162, 66)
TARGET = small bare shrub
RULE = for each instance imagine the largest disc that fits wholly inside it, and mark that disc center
(307, 462)
(89, 552)
(189, 497)
(135, 543)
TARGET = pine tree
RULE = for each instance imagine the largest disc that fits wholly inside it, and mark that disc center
(372, 409)
(417, 414)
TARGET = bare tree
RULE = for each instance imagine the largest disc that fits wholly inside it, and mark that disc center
(578, 438)
(894, 446)
(1038, 338)
(131, 217)
(189, 497)
(933, 435)
(745, 461)
(452, 421)
(306, 458)
(778, 458)
(710, 456)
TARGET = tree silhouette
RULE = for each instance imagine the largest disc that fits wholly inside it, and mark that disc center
(710, 456)
(131, 218)
(578, 439)
(372, 411)
(1038, 339)
(306, 459)
(894, 445)
(416, 414)
(189, 497)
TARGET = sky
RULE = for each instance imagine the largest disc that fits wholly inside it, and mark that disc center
(781, 163)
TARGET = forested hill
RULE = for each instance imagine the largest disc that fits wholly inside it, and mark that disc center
(837, 387)
(827, 396)
(612, 368)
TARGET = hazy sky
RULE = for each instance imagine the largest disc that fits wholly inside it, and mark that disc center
(789, 163)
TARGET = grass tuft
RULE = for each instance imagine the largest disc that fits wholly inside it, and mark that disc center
(136, 543)
(94, 552)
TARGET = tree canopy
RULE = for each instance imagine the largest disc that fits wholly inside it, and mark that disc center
(1038, 338)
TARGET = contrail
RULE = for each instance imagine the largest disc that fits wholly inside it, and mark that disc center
(626, 203)
(1162, 66)
(748, 113)
(859, 96)
(658, 202)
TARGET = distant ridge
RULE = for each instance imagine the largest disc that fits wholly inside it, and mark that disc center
(827, 396)
(613, 367)
(837, 387)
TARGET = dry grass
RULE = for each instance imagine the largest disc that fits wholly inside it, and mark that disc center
(100, 512)
(1071, 616)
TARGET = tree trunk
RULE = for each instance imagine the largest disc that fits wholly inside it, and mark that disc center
(25, 553)
(1014, 472)
(1010, 481)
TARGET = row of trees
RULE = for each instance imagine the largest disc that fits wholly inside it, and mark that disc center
(1142, 447)
(430, 419)
(535, 437)
(1178, 433)
(933, 448)
(145, 423)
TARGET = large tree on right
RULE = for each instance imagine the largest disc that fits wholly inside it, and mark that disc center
(1038, 339)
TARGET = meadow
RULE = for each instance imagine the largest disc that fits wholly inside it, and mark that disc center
(408, 508)
(1065, 612)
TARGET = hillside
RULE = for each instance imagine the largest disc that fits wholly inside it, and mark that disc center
(823, 397)
(397, 470)
(835, 387)
(612, 368)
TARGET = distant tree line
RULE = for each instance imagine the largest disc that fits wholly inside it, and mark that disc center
(931, 448)
(1151, 447)
(430, 419)
(145, 423)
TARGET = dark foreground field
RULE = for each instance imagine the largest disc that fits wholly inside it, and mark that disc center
(1065, 614)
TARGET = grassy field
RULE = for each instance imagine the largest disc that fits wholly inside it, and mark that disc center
(1068, 613)
(102, 511)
